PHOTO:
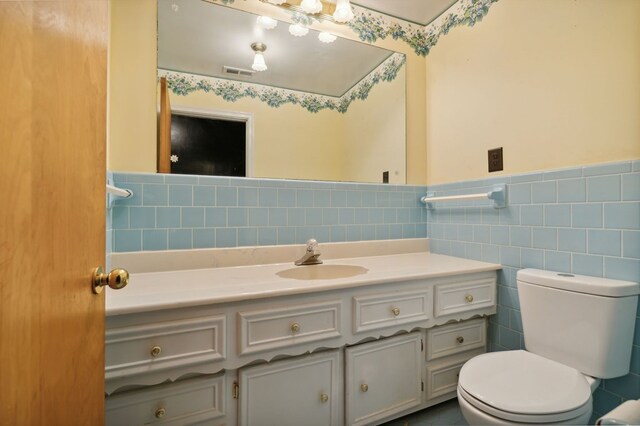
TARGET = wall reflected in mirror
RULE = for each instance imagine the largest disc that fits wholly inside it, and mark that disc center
(321, 110)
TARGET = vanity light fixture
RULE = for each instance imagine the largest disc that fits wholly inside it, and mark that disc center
(267, 22)
(311, 6)
(326, 37)
(298, 30)
(343, 11)
(258, 61)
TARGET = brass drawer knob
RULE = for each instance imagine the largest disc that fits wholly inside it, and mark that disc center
(295, 327)
(116, 279)
(396, 311)
(160, 412)
(468, 298)
(324, 397)
(155, 351)
(364, 387)
(460, 339)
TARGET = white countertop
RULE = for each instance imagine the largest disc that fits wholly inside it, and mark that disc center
(176, 289)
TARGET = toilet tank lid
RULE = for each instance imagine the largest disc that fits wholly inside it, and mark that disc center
(579, 283)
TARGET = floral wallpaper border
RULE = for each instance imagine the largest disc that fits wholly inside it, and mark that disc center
(182, 84)
(371, 26)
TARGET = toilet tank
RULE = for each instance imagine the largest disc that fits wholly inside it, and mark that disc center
(580, 321)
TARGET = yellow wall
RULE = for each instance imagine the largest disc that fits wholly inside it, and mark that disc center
(131, 144)
(132, 140)
(554, 82)
(373, 133)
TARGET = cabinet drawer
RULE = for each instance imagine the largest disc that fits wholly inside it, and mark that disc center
(164, 345)
(181, 403)
(464, 296)
(442, 377)
(385, 310)
(455, 338)
(277, 328)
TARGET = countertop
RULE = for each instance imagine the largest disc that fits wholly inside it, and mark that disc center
(176, 289)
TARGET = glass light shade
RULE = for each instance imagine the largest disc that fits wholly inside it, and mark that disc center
(258, 62)
(326, 37)
(343, 11)
(311, 6)
(298, 30)
(267, 22)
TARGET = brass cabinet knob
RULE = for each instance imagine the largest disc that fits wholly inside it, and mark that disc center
(155, 351)
(364, 387)
(160, 412)
(460, 339)
(324, 397)
(396, 311)
(468, 298)
(295, 327)
(116, 279)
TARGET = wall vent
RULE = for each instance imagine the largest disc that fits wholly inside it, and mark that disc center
(238, 71)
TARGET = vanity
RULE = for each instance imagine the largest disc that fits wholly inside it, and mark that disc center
(353, 341)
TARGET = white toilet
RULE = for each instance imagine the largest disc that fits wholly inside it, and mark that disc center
(577, 330)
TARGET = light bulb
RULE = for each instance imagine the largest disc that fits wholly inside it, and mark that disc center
(267, 22)
(343, 11)
(258, 62)
(298, 30)
(326, 37)
(311, 6)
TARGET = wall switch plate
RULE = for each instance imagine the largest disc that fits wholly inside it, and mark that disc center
(385, 177)
(495, 160)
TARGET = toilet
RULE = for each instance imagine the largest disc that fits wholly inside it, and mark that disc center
(577, 330)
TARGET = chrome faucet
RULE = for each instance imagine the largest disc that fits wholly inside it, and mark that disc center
(311, 255)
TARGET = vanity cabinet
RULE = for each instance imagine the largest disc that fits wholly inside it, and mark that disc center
(354, 356)
(308, 389)
(383, 378)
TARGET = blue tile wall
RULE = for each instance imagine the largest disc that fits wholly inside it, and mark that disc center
(184, 212)
(584, 220)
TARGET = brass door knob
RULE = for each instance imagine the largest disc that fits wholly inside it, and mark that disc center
(364, 387)
(324, 397)
(160, 412)
(155, 351)
(460, 339)
(116, 279)
(295, 327)
(396, 311)
(468, 298)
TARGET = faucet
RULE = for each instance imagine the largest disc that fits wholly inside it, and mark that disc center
(311, 255)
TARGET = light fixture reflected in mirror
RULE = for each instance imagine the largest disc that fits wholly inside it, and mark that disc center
(298, 30)
(326, 37)
(258, 61)
(267, 22)
(311, 6)
(343, 11)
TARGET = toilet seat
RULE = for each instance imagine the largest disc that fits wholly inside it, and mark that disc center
(523, 387)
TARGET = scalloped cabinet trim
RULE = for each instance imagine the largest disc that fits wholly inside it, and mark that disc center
(332, 357)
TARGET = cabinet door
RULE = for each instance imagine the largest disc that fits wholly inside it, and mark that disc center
(383, 378)
(299, 391)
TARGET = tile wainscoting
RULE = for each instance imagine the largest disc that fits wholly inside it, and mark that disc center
(584, 220)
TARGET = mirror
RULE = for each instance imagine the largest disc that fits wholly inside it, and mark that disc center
(320, 111)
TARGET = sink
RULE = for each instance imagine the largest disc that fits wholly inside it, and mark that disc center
(322, 272)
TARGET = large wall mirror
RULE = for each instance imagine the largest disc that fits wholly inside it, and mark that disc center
(325, 108)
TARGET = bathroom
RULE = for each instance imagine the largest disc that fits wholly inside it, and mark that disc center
(555, 84)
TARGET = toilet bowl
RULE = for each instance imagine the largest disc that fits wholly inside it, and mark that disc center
(515, 387)
(575, 328)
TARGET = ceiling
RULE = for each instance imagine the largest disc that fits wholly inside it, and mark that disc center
(420, 12)
(202, 38)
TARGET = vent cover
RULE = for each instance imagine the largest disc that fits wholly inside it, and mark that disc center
(238, 71)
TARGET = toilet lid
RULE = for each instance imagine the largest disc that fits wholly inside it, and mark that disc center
(520, 382)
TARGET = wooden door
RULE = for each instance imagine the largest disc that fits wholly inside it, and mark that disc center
(52, 222)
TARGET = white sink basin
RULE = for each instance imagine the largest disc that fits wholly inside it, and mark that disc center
(322, 272)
